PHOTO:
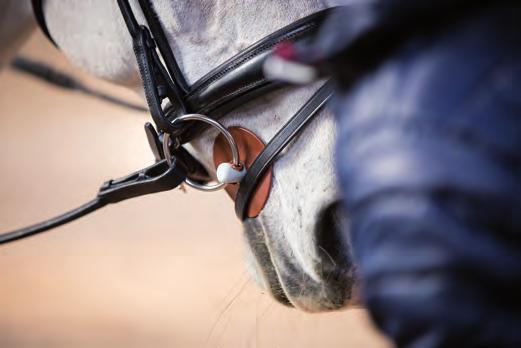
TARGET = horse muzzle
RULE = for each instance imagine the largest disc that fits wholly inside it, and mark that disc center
(326, 282)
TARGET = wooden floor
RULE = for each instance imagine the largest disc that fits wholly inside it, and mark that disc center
(158, 271)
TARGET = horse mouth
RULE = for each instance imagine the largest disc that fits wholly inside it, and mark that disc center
(255, 237)
(330, 285)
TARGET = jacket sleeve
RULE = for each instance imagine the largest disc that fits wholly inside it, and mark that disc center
(429, 161)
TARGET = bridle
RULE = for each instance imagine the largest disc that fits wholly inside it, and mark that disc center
(238, 80)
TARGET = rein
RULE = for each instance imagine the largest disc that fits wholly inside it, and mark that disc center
(228, 86)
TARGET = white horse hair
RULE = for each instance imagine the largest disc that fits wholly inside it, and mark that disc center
(295, 249)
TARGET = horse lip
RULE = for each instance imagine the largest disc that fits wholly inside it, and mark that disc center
(332, 288)
(297, 289)
(256, 237)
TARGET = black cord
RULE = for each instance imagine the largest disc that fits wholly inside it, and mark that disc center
(74, 214)
(50, 75)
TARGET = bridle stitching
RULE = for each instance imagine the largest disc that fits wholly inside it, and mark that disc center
(250, 56)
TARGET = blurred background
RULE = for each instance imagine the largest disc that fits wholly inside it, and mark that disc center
(164, 270)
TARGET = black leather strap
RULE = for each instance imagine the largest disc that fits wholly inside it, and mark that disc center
(40, 19)
(74, 214)
(58, 78)
(265, 159)
(156, 82)
(241, 78)
(231, 84)
(163, 45)
(243, 72)
(156, 178)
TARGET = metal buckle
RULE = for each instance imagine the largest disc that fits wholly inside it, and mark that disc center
(233, 146)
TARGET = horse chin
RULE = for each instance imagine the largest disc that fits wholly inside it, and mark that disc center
(324, 283)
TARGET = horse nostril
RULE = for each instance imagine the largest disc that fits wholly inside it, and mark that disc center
(335, 264)
(332, 239)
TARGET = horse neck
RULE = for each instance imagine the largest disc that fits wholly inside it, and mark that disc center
(205, 33)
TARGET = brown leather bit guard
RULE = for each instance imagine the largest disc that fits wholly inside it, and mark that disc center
(250, 146)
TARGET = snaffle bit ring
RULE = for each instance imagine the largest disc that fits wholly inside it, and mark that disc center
(236, 162)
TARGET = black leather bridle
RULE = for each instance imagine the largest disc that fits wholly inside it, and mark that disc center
(238, 80)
